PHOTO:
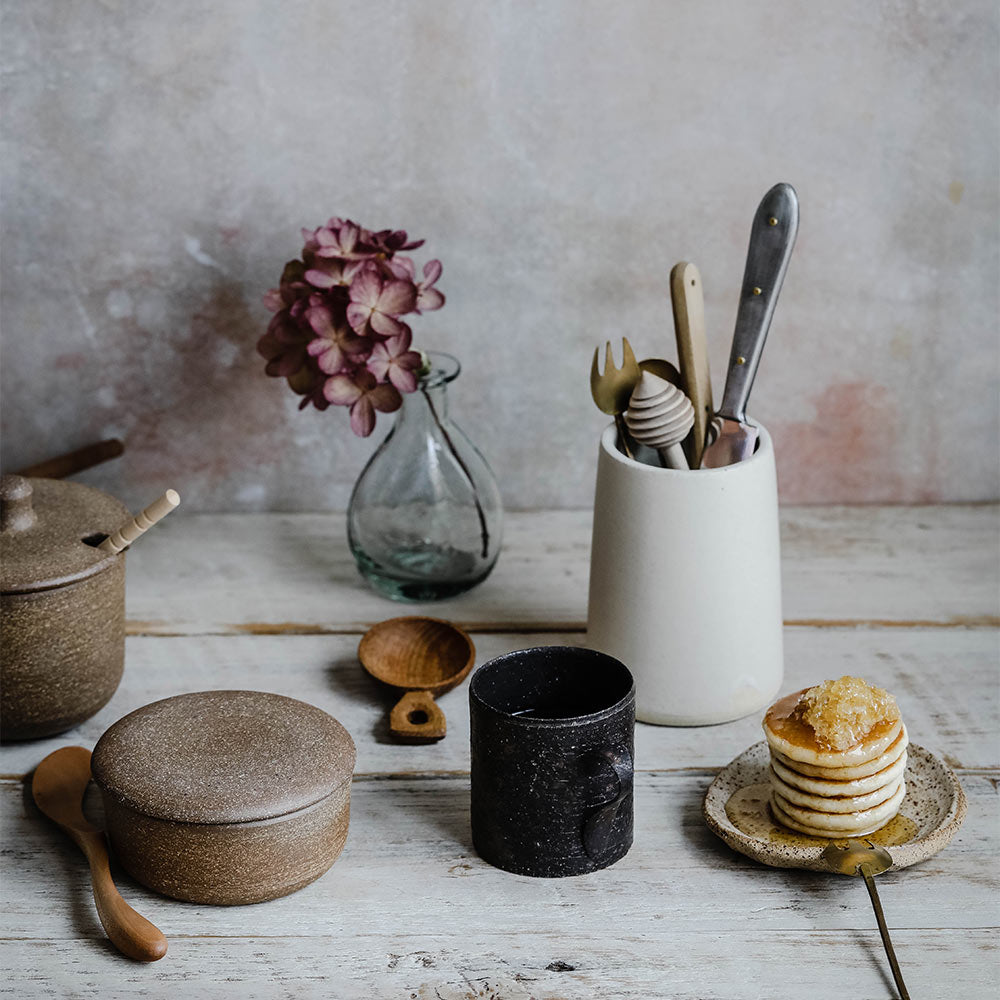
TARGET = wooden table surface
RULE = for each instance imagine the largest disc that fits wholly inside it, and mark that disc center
(904, 596)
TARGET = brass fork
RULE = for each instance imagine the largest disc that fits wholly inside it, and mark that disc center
(612, 389)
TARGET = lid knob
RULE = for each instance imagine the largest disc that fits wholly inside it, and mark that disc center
(15, 504)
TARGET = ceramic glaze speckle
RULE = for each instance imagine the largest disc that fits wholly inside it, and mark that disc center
(223, 757)
(552, 760)
(226, 796)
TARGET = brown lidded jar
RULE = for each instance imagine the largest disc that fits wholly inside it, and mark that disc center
(226, 797)
(62, 605)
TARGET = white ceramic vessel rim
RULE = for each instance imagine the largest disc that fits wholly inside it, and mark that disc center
(764, 445)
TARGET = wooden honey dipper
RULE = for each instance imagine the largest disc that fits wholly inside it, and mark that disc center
(143, 521)
(661, 417)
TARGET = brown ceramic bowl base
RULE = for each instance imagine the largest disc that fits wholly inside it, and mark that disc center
(230, 864)
(56, 677)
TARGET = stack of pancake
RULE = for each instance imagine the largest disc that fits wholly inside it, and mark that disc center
(838, 753)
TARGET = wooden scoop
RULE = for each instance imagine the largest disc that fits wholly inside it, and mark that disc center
(58, 787)
(423, 657)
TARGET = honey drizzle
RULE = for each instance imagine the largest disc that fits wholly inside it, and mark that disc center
(749, 810)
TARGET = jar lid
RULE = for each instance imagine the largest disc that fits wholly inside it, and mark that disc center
(223, 757)
(43, 527)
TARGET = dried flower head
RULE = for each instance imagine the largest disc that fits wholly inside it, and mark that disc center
(337, 335)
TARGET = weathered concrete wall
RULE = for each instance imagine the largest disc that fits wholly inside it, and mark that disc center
(559, 157)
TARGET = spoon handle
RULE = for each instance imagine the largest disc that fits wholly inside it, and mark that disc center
(866, 874)
(130, 932)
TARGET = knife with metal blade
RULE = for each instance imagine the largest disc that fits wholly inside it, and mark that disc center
(772, 237)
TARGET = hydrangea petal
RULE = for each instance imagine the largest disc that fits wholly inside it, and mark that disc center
(403, 378)
(366, 287)
(341, 390)
(397, 297)
(320, 279)
(384, 398)
(363, 417)
(384, 325)
(429, 299)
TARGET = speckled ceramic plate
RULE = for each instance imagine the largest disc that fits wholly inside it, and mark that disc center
(932, 811)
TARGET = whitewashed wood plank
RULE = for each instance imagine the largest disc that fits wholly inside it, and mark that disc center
(231, 573)
(409, 867)
(665, 961)
(945, 680)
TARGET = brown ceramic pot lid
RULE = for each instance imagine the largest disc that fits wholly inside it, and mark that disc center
(44, 524)
(223, 757)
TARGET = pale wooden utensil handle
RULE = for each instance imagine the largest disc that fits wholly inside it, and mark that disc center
(692, 351)
(130, 932)
(142, 521)
(673, 457)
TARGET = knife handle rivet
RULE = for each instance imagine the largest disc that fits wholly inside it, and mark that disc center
(741, 360)
(772, 221)
(756, 291)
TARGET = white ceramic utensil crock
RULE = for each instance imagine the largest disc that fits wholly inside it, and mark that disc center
(685, 584)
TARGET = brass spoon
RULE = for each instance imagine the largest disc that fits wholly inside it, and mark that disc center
(58, 787)
(867, 860)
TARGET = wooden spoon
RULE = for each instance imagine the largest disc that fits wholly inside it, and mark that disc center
(422, 657)
(58, 787)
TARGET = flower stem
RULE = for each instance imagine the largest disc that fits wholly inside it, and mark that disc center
(483, 530)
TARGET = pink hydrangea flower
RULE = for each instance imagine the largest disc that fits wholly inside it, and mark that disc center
(377, 301)
(364, 395)
(337, 333)
(335, 344)
(392, 360)
(332, 272)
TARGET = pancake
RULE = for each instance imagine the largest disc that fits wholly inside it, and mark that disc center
(838, 758)
(835, 803)
(870, 767)
(817, 824)
(789, 735)
(837, 787)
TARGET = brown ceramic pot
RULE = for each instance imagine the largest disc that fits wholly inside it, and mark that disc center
(62, 605)
(226, 797)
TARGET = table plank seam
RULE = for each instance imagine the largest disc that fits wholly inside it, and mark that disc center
(152, 629)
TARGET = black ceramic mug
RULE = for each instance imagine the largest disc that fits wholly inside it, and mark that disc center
(552, 747)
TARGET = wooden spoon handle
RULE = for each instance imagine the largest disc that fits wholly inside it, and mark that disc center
(131, 933)
(75, 461)
(692, 351)
(417, 718)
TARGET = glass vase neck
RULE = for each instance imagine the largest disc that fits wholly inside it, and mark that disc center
(431, 391)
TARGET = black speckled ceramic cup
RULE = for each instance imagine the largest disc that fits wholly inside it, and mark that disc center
(552, 747)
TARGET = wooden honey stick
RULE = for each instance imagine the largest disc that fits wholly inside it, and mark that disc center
(143, 521)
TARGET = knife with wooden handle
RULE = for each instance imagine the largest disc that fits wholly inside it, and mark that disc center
(692, 350)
